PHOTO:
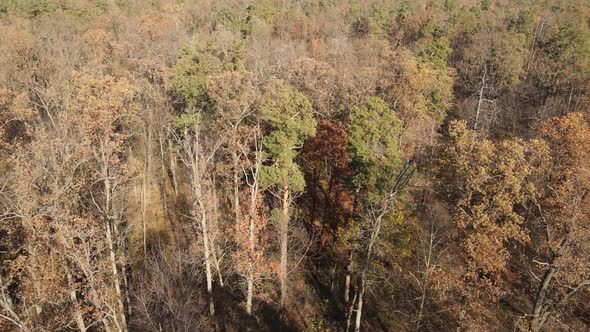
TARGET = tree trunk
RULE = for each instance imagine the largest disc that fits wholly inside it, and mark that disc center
(236, 180)
(110, 236)
(207, 263)
(284, 229)
(539, 316)
(480, 100)
(74, 298)
(365, 271)
(7, 305)
(215, 219)
(359, 307)
(125, 273)
(173, 168)
(250, 278)
(347, 281)
(116, 277)
(254, 187)
(250, 292)
(197, 179)
(145, 184)
(350, 312)
(163, 184)
(426, 278)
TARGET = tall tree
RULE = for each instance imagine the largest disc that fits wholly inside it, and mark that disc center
(486, 183)
(288, 117)
(379, 176)
(561, 234)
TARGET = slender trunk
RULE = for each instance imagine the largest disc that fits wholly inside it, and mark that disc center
(421, 310)
(350, 312)
(110, 241)
(539, 316)
(7, 305)
(425, 279)
(236, 180)
(145, 184)
(284, 229)
(347, 281)
(207, 263)
(569, 100)
(540, 312)
(365, 271)
(125, 272)
(532, 50)
(215, 219)
(250, 278)
(359, 307)
(349, 306)
(217, 265)
(143, 214)
(254, 187)
(198, 195)
(163, 184)
(479, 102)
(74, 298)
(116, 277)
(94, 298)
(173, 167)
(462, 314)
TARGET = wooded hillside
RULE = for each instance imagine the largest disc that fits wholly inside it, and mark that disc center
(306, 165)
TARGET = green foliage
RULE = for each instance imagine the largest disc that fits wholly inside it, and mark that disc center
(288, 116)
(418, 88)
(450, 5)
(39, 8)
(266, 10)
(231, 16)
(188, 119)
(524, 22)
(371, 20)
(464, 22)
(373, 144)
(221, 52)
(508, 59)
(570, 44)
(31, 8)
(436, 52)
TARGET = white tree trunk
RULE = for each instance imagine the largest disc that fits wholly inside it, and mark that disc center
(209, 275)
(74, 298)
(284, 229)
(365, 271)
(108, 191)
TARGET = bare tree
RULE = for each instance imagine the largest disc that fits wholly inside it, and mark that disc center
(197, 157)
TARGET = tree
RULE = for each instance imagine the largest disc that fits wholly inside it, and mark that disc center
(201, 95)
(420, 93)
(105, 108)
(325, 164)
(233, 96)
(199, 60)
(561, 231)
(379, 175)
(251, 233)
(287, 115)
(65, 196)
(196, 154)
(485, 182)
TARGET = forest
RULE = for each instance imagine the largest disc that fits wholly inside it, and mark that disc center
(295, 165)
